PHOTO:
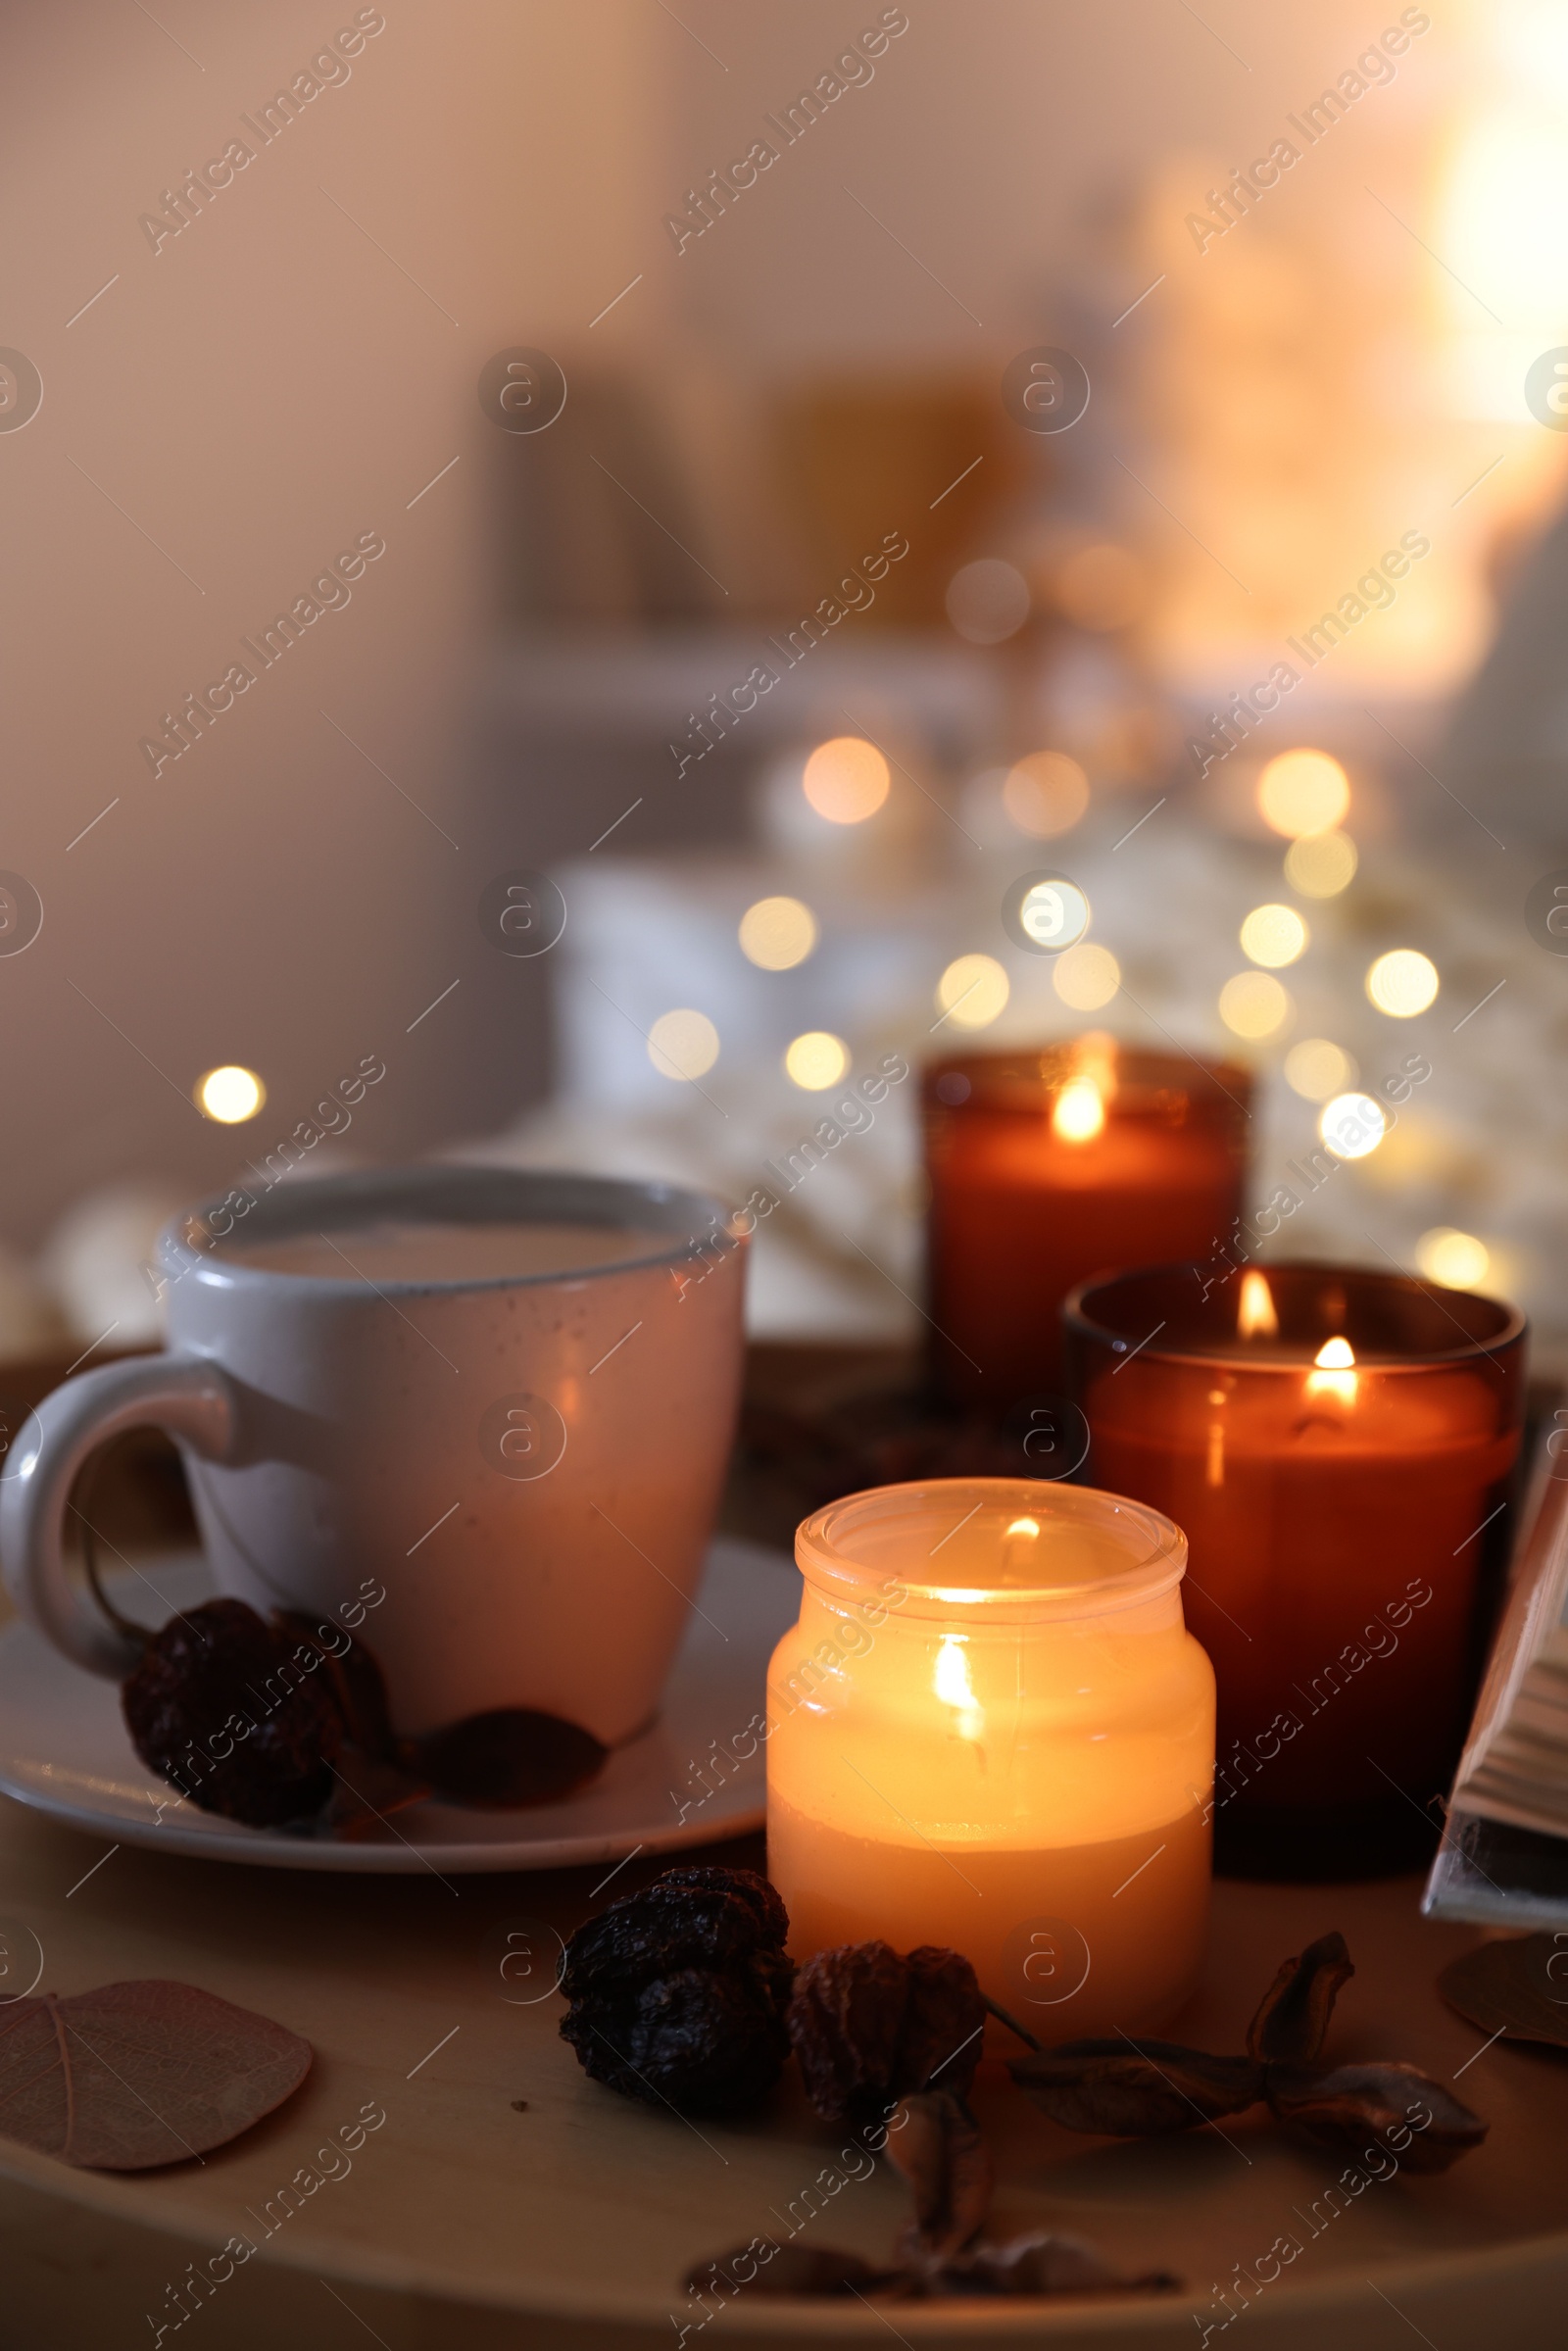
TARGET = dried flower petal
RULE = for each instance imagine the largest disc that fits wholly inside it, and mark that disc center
(869, 2027)
(939, 2149)
(1292, 2016)
(1103, 2085)
(1414, 2117)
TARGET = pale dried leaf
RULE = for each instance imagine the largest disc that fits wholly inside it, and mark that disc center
(940, 2151)
(139, 2074)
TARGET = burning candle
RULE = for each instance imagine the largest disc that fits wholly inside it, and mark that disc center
(1339, 1446)
(992, 1729)
(1047, 1167)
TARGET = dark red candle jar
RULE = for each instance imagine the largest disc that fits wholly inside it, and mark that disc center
(1048, 1166)
(1339, 1446)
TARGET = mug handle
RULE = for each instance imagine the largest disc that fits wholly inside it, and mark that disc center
(188, 1396)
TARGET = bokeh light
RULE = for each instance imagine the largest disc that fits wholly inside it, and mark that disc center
(1251, 1004)
(683, 1045)
(972, 991)
(1100, 587)
(1321, 864)
(1303, 792)
(1403, 983)
(988, 601)
(778, 933)
(818, 1059)
(1352, 1125)
(1078, 1113)
(1273, 936)
(231, 1095)
(1317, 1069)
(1085, 977)
(846, 780)
(1045, 794)
(1458, 1260)
(1046, 911)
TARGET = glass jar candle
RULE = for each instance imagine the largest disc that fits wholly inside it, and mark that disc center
(1340, 1447)
(992, 1729)
(1045, 1168)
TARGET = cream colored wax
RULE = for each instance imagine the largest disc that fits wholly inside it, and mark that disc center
(991, 1730)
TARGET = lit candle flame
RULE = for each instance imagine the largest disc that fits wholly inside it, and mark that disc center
(1335, 1371)
(1255, 1317)
(952, 1683)
(1079, 1112)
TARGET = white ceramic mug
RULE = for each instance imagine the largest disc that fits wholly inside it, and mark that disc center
(530, 1465)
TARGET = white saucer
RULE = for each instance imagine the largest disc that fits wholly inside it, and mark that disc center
(64, 1748)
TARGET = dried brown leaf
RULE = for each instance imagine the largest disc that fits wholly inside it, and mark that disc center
(1517, 1985)
(1040, 2264)
(1293, 2017)
(1104, 2086)
(140, 2074)
(1356, 2108)
(939, 2149)
(943, 2023)
(784, 2270)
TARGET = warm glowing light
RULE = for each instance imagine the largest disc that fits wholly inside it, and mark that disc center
(1458, 1260)
(1302, 792)
(846, 780)
(1316, 1068)
(1321, 864)
(818, 1059)
(1024, 1526)
(1334, 1372)
(1352, 1125)
(1099, 587)
(1253, 1004)
(972, 991)
(1255, 1317)
(988, 601)
(1045, 794)
(1078, 1113)
(1403, 983)
(231, 1095)
(683, 1045)
(951, 1680)
(1273, 936)
(1085, 977)
(778, 933)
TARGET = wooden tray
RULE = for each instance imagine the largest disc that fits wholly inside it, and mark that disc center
(465, 2221)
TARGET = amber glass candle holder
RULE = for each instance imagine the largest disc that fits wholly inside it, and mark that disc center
(1340, 1448)
(1048, 1166)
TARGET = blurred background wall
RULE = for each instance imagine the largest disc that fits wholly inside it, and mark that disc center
(1277, 398)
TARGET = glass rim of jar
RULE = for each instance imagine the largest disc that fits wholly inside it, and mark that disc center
(1236, 1353)
(1028, 1080)
(823, 1550)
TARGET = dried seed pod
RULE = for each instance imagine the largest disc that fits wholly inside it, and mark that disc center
(513, 1755)
(1292, 2016)
(869, 2027)
(678, 1992)
(1394, 2106)
(1103, 2085)
(222, 1706)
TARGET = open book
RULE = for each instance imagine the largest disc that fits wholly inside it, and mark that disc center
(1504, 1857)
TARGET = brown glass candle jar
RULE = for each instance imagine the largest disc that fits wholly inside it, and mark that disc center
(1339, 1446)
(1051, 1165)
